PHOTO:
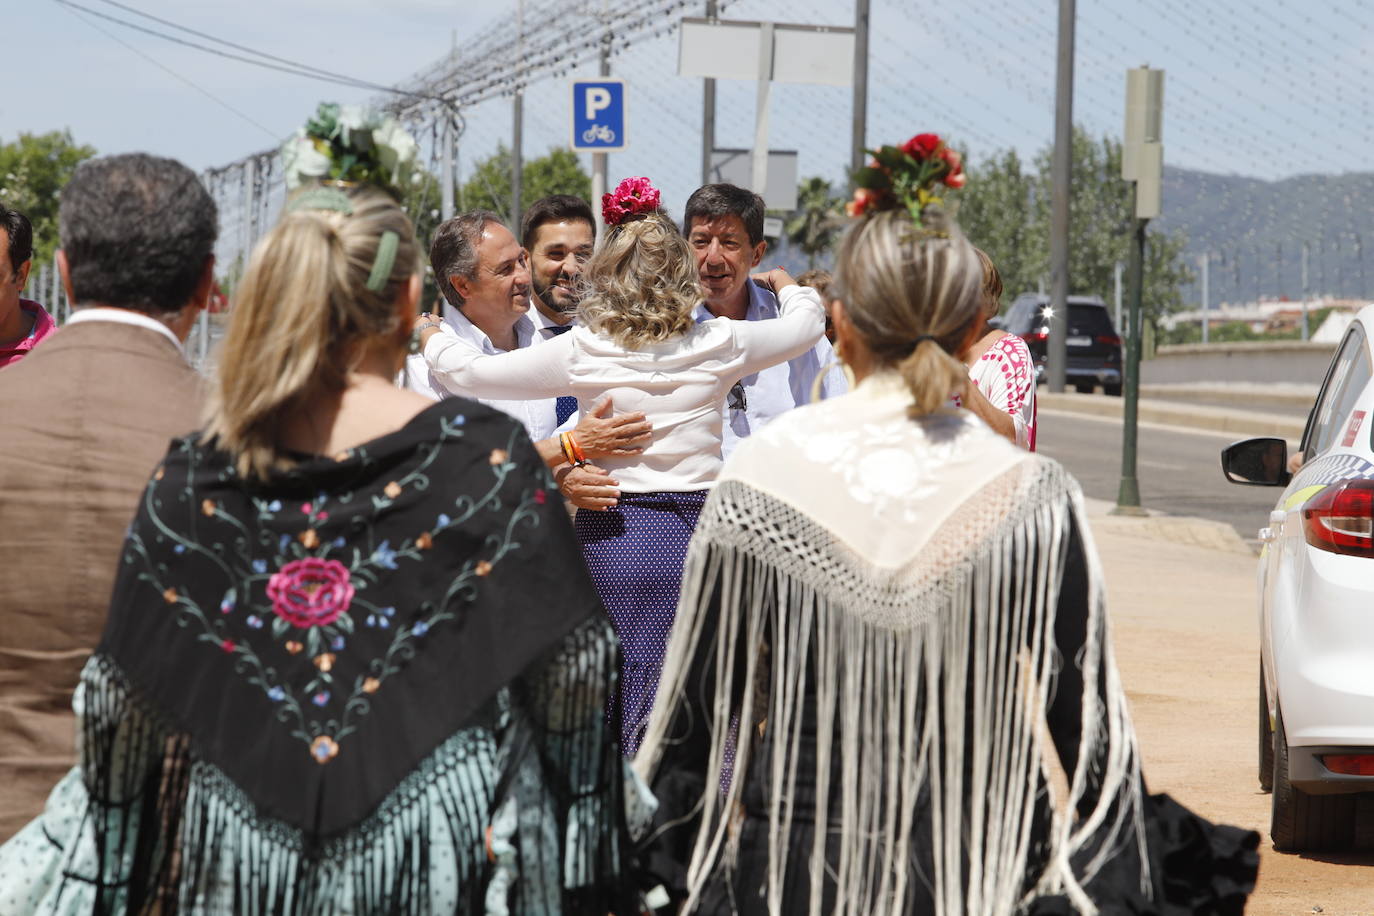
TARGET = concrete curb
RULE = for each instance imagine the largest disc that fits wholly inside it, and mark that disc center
(1175, 529)
(1241, 423)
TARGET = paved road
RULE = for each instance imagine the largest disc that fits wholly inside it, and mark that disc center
(1179, 470)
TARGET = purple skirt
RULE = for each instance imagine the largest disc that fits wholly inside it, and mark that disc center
(635, 554)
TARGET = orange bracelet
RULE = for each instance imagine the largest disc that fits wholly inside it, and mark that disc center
(571, 450)
(580, 457)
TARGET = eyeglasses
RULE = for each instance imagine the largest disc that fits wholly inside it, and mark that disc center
(736, 399)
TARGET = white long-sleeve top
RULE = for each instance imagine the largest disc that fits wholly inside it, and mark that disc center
(679, 384)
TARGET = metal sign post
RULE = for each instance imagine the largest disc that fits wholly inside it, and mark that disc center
(767, 52)
(1142, 164)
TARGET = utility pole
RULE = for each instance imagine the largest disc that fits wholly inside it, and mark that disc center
(708, 112)
(1142, 164)
(1204, 263)
(859, 138)
(1060, 177)
(517, 164)
(446, 181)
(599, 160)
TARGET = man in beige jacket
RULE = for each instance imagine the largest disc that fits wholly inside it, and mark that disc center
(84, 420)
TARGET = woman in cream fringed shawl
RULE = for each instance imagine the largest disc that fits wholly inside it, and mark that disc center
(892, 620)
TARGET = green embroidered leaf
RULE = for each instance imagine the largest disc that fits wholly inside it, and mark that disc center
(279, 627)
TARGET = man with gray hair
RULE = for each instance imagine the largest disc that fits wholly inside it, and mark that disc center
(484, 275)
(87, 417)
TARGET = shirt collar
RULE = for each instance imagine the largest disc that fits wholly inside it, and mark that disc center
(762, 304)
(464, 328)
(124, 316)
(541, 321)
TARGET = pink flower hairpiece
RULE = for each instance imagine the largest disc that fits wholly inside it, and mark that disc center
(632, 197)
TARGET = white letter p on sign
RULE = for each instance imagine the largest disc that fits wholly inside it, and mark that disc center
(598, 99)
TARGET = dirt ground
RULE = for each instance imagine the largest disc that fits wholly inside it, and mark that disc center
(1187, 646)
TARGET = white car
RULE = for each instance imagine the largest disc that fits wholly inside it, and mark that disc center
(1316, 597)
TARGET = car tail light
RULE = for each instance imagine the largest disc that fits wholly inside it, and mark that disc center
(1341, 518)
(1036, 336)
(1349, 764)
(1110, 340)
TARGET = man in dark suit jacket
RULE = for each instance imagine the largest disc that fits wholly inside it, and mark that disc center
(84, 420)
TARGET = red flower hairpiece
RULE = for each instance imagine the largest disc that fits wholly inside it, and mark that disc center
(905, 176)
(632, 197)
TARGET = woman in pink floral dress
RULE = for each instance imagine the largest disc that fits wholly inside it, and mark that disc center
(1002, 372)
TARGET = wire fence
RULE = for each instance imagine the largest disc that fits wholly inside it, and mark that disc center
(1239, 80)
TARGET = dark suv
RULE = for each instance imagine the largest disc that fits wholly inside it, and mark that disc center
(1094, 348)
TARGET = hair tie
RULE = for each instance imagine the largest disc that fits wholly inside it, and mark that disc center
(385, 260)
(924, 337)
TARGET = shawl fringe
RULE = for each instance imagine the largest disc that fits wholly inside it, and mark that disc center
(932, 684)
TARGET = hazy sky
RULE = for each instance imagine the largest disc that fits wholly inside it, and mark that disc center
(1259, 87)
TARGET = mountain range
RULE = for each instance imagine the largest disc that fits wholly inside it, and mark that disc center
(1255, 231)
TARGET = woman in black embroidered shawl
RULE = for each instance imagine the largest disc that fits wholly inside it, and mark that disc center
(354, 661)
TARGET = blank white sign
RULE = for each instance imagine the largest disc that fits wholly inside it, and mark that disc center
(726, 49)
(735, 166)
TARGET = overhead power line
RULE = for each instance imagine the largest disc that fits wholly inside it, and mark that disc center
(289, 67)
(161, 66)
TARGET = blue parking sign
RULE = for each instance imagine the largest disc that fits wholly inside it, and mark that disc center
(598, 115)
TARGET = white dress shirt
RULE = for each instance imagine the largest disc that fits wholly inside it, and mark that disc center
(679, 384)
(537, 416)
(778, 388)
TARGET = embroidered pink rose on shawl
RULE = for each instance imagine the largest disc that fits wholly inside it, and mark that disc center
(310, 592)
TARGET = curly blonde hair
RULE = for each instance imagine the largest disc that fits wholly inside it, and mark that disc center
(642, 285)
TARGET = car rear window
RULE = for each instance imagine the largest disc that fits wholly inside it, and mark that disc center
(1090, 319)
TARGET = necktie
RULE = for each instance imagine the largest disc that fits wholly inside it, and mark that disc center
(567, 405)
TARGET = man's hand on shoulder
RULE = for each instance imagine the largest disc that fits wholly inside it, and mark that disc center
(601, 435)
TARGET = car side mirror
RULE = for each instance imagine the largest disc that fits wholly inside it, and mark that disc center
(1261, 462)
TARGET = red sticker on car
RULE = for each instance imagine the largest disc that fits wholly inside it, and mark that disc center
(1353, 430)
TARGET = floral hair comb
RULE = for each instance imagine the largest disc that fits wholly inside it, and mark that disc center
(631, 198)
(353, 145)
(906, 176)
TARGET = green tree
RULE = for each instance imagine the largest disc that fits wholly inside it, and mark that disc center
(33, 169)
(995, 210)
(818, 220)
(1006, 211)
(558, 172)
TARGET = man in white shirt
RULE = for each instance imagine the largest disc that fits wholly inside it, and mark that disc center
(559, 232)
(484, 274)
(724, 225)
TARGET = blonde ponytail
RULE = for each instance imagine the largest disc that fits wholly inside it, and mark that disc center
(302, 310)
(914, 294)
(932, 375)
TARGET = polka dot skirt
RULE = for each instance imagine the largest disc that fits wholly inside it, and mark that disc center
(635, 554)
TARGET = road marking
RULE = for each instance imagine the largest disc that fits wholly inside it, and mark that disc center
(1164, 427)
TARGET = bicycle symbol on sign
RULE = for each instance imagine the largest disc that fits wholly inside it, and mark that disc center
(598, 133)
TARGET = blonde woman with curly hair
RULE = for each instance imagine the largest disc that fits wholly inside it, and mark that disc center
(637, 342)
